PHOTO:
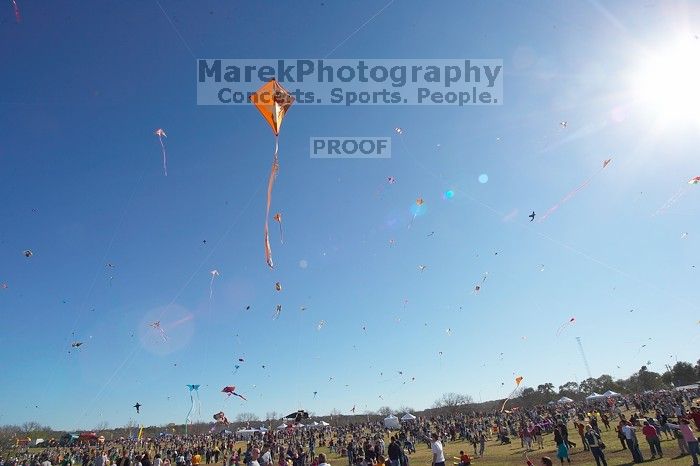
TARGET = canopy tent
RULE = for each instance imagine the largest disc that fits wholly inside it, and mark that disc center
(688, 387)
(281, 426)
(408, 417)
(392, 422)
(595, 396)
(611, 393)
(324, 424)
(564, 400)
(246, 434)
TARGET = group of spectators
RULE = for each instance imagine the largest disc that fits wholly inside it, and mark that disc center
(654, 415)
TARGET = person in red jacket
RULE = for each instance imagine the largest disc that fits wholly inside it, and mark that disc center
(652, 436)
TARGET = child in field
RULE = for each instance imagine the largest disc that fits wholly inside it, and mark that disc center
(464, 459)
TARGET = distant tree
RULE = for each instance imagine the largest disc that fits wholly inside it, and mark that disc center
(406, 409)
(246, 417)
(569, 389)
(104, 425)
(30, 427)
(683, 373)
(545, 390)
(271, 416)
(385, 411)
(452, 401)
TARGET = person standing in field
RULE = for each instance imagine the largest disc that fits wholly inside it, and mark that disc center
(438, 452)
(596, 445)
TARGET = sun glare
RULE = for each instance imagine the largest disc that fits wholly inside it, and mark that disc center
(667, 83)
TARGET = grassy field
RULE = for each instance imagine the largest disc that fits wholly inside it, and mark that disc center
(513, 454)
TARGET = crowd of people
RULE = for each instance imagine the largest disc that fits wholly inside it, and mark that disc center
(648, 417)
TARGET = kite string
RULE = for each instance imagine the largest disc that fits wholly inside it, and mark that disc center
(379, 12)
(570, 194)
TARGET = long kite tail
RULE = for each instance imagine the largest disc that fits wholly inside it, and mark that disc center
(165, 160)
(18, 16)
(281, 234)
(509, 397)
(571, 194)
(270, 183)
(187, 419)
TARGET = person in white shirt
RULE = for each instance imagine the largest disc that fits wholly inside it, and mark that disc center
(322, 460)
(157, 461)
(438, 452)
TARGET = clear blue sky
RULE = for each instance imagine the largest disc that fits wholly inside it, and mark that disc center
(81, 185)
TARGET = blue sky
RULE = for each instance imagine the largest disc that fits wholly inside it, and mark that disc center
(82, 186)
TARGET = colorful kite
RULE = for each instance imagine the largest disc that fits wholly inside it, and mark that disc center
(194, 396)
(278, 286)
(573, 192)
(419, 203)
(278, 218)
(221, 418)
(272, 101)
(563, 326)
(231, 390)
(518, 379)
(160, 132)
(694, 180)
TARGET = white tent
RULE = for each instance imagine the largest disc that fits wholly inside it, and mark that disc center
(38, 441)
(408, 417)
(595, 396)
(392, 422)
(324, 423)
(611, 393)
(263, 429)
(281, 426)
(564, 399)
(688, 387)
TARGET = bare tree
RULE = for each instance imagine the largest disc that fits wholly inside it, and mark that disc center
(271, 416)
(385, 411)
(406, 409)
(246, 417)
(452, 401)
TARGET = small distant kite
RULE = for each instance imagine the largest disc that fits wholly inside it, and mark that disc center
(4, 286)
(278, 218)
(694, 180)
(236, 367)
(532, 216)
(160, 132)
(156, 326)
(320, 324)
(419, 203)
(278, 286)
(315, 393)
(478, 286)
(231, 390)
(278, 311)
(28, 253)
(422, 267)
(353, 406)
(448, 332)
(684, 235)
(76, 344)
(138, 407)
(391, 180)
(398, 130)
(563, 326)
(563, 124)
